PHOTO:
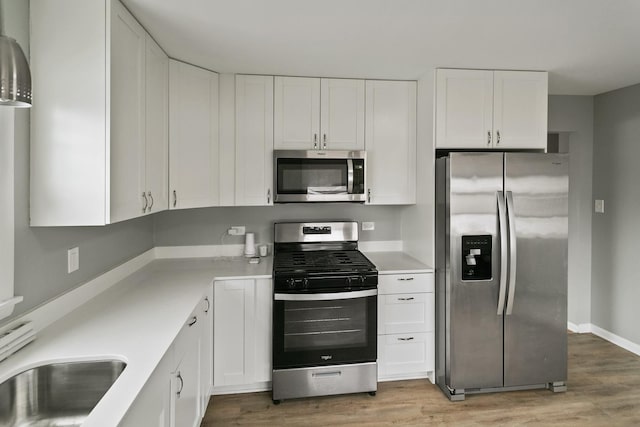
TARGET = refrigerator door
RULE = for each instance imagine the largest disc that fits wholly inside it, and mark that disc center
(474, 334)
(535, 341)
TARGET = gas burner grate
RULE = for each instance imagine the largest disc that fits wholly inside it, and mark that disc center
(321, 260)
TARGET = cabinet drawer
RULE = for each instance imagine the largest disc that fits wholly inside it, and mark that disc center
(405, 283)
(403, 313)
(405, 354)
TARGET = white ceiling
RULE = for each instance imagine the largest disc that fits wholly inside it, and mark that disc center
(588, 46)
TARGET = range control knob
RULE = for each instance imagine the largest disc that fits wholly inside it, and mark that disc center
(291, 283)
(363, 279)
(348, 281)
(305, 283)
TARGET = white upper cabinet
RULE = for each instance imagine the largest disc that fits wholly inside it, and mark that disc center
(127, 116)
(157, 127)
(520, 103)
(94, 126)
(478, 109)
(254, 141)
(314, 113)
(391, 142)
(193, 137)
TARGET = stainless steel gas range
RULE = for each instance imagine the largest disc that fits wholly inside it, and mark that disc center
(324, 312)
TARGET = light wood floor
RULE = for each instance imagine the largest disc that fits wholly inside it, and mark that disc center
(604, 390)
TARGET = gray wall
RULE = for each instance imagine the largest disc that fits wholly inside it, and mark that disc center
(208, 226)
(572, 116)
(616, 233)
(41, 253)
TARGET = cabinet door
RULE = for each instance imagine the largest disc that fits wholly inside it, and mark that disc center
(520, 109)
(127, 115)
(297, 113)
(254, 140)
(206, 350)
(193, 137)
(342, 114)
(234, 326)
(242, 332)
(391, 142)
(186, 389)
(157, 126)
(464, 109)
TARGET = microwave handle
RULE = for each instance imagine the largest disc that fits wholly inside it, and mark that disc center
(349, 176)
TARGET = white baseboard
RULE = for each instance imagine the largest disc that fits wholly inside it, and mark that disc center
(616, 339)
(582, 328)
(245, 388)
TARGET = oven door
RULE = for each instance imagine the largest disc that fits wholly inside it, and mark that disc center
(319, 176)
(324, 329)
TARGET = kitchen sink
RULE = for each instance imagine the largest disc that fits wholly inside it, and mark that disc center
(55, 395)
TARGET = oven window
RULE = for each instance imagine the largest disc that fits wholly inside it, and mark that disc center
(312, 176)
(335, 324)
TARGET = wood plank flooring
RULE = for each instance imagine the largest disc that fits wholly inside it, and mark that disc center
(604, 390)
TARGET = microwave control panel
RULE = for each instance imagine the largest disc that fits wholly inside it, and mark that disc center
(476, 257)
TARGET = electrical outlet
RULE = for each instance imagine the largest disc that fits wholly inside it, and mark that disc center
(237, 230)
(73, 259)
(599, 206)
(368, 226)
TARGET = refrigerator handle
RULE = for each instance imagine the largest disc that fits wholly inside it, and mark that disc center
(513, 253)
(502, 222)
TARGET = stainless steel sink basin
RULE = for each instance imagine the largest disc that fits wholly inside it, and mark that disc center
(55, 395)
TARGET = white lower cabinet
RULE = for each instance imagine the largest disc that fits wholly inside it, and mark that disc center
(177, 392)
(405, 326)
(242, 335)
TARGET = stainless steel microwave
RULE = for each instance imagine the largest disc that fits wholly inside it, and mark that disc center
(319, 176)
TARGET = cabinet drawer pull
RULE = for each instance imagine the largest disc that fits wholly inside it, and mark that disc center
(406, 299)
(179, 376)
(324, 141)
(193, 321)
(406, 339)
(150, 198)
(405, 279)
(498, 134)
(315, 141)
(208, 304)
(175, 198)
(369, 195)
(489, 137)
(269, 196)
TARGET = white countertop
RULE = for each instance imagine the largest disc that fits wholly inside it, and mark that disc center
(397, 263)
(135, 321)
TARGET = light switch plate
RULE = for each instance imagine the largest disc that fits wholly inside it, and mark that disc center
(73, 259)
(599, 206)
(368, 226)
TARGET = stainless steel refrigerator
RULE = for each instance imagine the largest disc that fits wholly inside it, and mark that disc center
(501, 266)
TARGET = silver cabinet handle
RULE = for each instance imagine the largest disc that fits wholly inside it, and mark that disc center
(406, 299)
(369, 195)
(146, 202)
(179, 376)
(315, 141)
(193, 321)
(489, 137)
(324, 140)
(208, 304)
(268, 196)
(175, 198)
(150, 197)
(405, 279)
(498, 135)
(406, 339)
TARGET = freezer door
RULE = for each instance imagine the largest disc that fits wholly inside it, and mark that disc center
(536, 316)
(474, 329)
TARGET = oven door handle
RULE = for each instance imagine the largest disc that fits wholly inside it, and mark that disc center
(327, 296)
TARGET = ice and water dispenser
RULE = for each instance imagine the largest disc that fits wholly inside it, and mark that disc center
(476, 257)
